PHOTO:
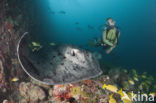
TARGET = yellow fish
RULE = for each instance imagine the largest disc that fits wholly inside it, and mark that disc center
(110, 88)
(130, 94)
(112, 99)
(124, 97)
(52, 44)
(152, 94)
(35, 44)
(14, 79)
(136, 79)
(131, 82)
(143, 76)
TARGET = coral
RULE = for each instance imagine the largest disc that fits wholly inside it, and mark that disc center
(8, 26)
(61, 92)
(22, 101)
(5, 101)
(75, 90)
(31, 92)
(50, 91)
(3, 84)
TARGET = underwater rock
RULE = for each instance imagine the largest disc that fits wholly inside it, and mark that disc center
(57, 64)
(31, 92)
(23, 101)
(5, 101)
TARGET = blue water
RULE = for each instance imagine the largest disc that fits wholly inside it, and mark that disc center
(135, 18)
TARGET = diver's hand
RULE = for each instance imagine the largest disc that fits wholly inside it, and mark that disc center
(108, 51)
(114, 45)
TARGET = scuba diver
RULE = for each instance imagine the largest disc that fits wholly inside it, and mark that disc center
(110, 36)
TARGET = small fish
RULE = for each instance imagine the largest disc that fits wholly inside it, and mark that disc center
(112, 99)
(62, 12)
(36, 44)
(124, 96)
(130, 94)
(136, 79)
(15, 79)
(121, 93)
(131, 82)
(143, 76)
(90, 27)
(111, 88)
(52, 44)
(36, 48)
(76, 23)
(79, 29)
(152, 94)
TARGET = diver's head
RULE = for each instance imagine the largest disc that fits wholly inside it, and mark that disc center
(110, 22)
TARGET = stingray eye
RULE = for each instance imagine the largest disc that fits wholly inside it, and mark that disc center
(74, 52)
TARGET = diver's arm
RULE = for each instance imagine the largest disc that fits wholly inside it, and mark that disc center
(110, 49)
(116, 40)
(105, 40)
